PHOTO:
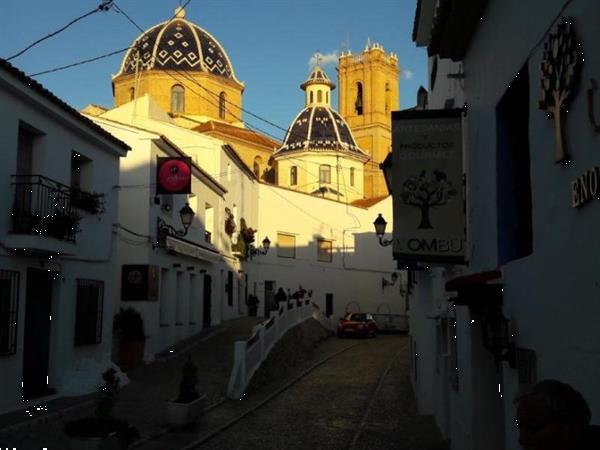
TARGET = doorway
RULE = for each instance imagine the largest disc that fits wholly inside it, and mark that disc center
(206, 304)
(328, 304)
(269, 297)
(36, 346)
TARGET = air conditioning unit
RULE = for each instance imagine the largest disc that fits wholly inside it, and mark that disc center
(139, 282)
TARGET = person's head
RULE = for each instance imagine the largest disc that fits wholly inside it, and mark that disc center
(553, 416)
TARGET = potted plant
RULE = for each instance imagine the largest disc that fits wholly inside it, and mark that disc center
(129, 328)
(90, 202)
(189, 404)
(102, 431)
(229, 222)
(61, 225)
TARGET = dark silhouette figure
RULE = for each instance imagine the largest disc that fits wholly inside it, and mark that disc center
(554, 416)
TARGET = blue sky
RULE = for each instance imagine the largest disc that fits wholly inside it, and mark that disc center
(269, 42)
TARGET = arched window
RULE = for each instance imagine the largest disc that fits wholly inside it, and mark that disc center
(324, 173)
(256, 166)
(327, 97)
(222, 100)
(293, 175)
(351, 176)
(177, 99)
(387, 97)
(319, 96)
(312, 97)
(358, 104)
(131, 94)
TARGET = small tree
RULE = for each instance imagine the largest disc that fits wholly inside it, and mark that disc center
(426, 192)
(189, 380)
(560, 66)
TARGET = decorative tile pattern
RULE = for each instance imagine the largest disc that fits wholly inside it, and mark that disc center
(177, 49)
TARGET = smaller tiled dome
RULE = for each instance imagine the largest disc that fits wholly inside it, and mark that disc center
(320, 129)
(317, 76)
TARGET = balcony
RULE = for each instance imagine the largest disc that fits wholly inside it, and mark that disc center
(42, 214)
(207, 236)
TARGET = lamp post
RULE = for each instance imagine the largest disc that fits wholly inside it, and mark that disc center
(186, 215)
(380, 225)
(266, 243)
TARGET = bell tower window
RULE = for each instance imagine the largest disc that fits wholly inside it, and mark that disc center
(319, 96)
(131, 94)
(312, 97)
(358, 104)
(177, 99)
(222, 109)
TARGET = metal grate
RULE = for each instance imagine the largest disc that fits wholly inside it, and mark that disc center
(88, 314)
(9, 308)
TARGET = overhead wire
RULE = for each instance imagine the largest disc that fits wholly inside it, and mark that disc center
(104, 5)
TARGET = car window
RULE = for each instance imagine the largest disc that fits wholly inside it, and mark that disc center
(358, 317)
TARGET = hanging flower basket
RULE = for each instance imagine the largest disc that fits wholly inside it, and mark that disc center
(229, 222)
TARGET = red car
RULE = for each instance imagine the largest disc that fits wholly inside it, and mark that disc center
(357, 324)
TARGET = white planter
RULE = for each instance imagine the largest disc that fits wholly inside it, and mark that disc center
(181, 414)
(112, 442)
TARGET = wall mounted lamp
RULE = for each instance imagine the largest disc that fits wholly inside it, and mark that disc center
(380, 225)
(254, 251)
(384, 282)
(186, 214)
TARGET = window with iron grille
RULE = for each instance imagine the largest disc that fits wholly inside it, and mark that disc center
(88, 313)
(324, 250)
(9, 307)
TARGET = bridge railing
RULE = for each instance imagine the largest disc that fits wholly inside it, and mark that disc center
(249, 354)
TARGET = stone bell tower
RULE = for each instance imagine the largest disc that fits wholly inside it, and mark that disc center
(368, 84)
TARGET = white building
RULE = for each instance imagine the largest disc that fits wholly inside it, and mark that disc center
(532, 217)
(57, 271)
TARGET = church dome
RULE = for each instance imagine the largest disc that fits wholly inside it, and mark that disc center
(177, 45)
(320, 129)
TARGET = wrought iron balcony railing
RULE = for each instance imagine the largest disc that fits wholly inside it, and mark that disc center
(43, 206)
(207, 236)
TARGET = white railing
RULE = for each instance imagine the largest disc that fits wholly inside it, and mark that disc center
(249, 354)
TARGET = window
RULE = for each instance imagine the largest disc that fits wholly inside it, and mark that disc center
(293, 175)
(286, 245)
(131, 94)
(352, 170)
(327, 97)
(229, 288)
(257, 165)
(319, 96)
(312, 97)
(358, 104)
(9, 306)
(209, 220)
(513, 184)
(387, 97)
(324, 173)
(324, 250)
(177, 99)
(88, 313)
(81, 167)
(222, 105)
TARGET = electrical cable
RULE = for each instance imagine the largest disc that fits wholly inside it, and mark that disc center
(105, 5)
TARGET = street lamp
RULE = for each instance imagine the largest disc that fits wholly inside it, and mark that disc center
(186, 215)
(384, 282)
(266, 243)
(496, 337)
(380, 225)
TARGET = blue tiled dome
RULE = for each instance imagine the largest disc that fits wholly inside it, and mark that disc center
(177, 45)
(319, 129)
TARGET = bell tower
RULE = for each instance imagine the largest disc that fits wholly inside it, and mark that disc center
(368, 84)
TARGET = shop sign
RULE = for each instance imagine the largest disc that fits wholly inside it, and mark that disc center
(585, 187)
(173, 175)
(429, 219)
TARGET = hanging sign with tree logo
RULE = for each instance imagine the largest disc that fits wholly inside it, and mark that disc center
(429, 219)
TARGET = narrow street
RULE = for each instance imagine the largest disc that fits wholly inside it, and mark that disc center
(359, 399)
